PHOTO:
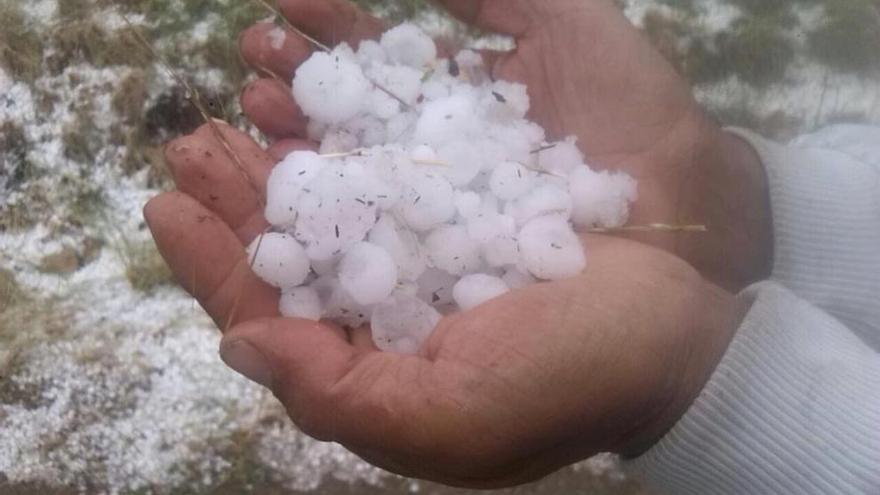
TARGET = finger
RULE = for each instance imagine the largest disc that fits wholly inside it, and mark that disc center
(275, 49)
(280, 149)
(299, 360)
(208, 260)
(270, 106)
(500, 16)
(204, 169)
(332, 21)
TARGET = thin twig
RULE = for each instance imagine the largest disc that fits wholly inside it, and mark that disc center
(344, 154)
(653, 227)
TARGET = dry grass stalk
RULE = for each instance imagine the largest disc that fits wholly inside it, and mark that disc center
(653, 227)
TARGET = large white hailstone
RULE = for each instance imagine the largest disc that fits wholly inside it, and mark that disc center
(488, 225)
(403, 323)
(601, 198)
(459, 161)
(285, 185)
(335, 212)
(506, 101)
(330, 87)
(428, 202)
(402, 244)
(450, 248)
(501, 251)
(368, 273)
(370, 53)
(339, 305)
(408, 45)
(446, 120)
(510, 180)
(543, 200)
(550, 249)
(301, 302)
(473, 290)
(405, 83)
(279, 260)
(467, 203)
(560, 158)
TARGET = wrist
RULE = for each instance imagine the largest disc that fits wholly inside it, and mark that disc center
(711, 318)
(729, 194)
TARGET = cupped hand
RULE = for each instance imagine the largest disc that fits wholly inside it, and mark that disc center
(499, 395)
(591, 74)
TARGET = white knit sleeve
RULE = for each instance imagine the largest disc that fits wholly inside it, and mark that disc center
(794, 405)
(825, 200)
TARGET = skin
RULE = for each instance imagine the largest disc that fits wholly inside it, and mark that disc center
(541, 377)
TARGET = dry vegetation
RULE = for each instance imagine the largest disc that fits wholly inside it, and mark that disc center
(144, 267)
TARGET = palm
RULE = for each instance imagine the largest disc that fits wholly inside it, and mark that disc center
(464, 410)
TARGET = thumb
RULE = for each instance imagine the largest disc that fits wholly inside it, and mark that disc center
(299, 360)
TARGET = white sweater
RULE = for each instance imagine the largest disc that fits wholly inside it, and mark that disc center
(794, 405)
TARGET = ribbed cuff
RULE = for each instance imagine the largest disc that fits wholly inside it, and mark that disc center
(793, 408)
(825, 200)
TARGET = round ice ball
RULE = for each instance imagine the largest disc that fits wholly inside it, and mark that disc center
(285, 185)
(403, 323)
(339, 305)
(402, 244)
(467, 203)
(473, 290)
(550, 249)
(445, 120)
(506, 101)
(601, 198)
(330, 88)
(510, 180)
(368, 273)
(545, 199)
(429, 201)
(334, 213)
(560, 158)
(279, 260)
(450, 248)
(300, 302)
(408, 45)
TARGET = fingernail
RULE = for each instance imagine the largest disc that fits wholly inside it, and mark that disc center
(247, 360)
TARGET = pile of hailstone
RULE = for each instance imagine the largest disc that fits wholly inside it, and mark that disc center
(431, 192)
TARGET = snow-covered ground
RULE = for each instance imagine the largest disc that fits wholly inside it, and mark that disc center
(108, 389)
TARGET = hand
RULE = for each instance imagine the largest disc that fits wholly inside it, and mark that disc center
(500, 395)
(591, 74)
